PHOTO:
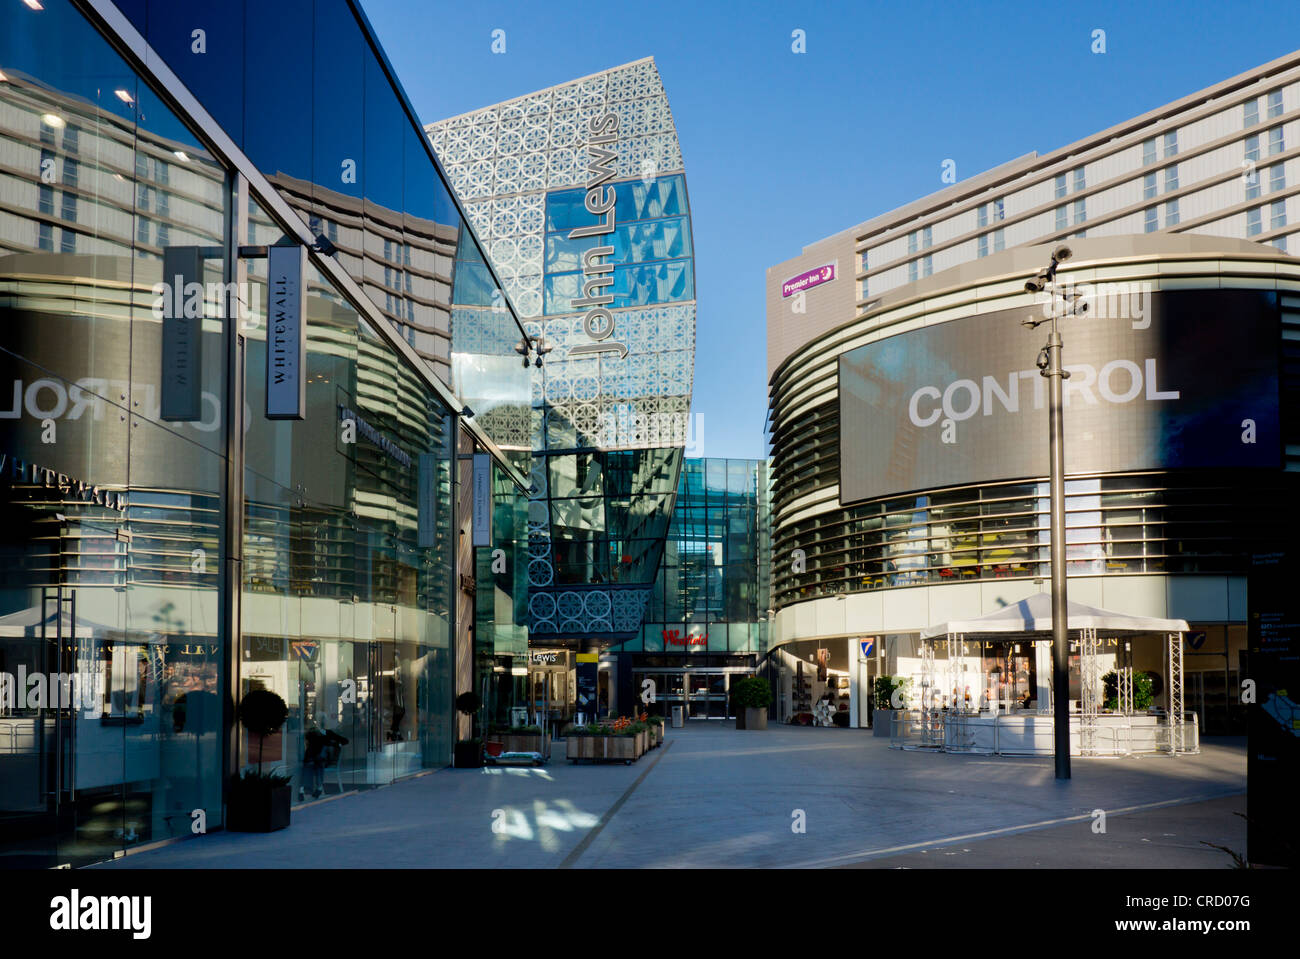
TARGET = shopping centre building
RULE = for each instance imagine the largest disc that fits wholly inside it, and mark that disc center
(907, 423)
(236, 293)
(580, 196)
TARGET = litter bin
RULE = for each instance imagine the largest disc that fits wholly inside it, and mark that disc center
(679, 717)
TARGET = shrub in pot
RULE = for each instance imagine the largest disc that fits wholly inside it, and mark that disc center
(753, 696)
(1143, 691)
(260, 801)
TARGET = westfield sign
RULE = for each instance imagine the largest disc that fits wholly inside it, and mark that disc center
(674, 637)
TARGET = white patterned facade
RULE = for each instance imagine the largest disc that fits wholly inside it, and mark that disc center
(502, 162)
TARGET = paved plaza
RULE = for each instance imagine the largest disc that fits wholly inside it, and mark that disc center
(718, 797)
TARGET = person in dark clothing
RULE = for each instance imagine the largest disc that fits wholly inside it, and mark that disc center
(323, 747)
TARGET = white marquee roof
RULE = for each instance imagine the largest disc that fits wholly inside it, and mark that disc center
(1034, 615)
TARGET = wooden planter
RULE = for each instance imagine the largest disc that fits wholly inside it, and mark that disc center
(524, 742)
(641, 747)
(598, 748)
(754, 718)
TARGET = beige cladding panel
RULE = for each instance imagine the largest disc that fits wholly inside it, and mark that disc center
(825, 307)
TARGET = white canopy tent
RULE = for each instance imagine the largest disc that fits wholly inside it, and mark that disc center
(1034, 615)
(1030, 620)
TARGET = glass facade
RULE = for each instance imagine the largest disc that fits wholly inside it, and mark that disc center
(609, 404)
(712, 591)
(158, 561)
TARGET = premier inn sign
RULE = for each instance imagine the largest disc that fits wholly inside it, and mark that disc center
(597, 270)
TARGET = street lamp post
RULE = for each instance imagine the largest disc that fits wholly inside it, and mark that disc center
(1049, 365)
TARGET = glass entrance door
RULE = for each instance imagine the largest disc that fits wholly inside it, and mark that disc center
(707, 695)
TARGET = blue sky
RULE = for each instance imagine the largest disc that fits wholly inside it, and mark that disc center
(782, 149)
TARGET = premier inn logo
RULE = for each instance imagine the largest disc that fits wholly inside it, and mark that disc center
(597, 271)
(76, 912)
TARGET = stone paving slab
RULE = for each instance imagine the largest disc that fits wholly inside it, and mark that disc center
(717, 796)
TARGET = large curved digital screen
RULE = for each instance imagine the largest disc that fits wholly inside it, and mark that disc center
(1168, 379)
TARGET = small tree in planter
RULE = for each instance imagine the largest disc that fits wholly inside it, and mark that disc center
(1143, 692)
(752, 696)
(259, 802)
(469, 752)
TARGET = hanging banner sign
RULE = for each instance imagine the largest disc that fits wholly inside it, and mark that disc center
(482, 499)
(427, 502)
(286, 336)
(181, 311)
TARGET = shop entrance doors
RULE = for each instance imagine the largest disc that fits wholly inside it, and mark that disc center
(704, 692)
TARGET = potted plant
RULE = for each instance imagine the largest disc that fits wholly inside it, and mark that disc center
(522, 739)
(752, 696)
(622, 741)
(260, 801)
(1143, 693)
(891, 696)
(468, 753)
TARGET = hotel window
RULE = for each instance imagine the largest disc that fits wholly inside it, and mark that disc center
(1252, 184)
(911, 271)
(1062, 217)
(911, 242)
(1252, 147)
(998, 211)
(1171, 144)
(927, 240)
(982, 215)
(1275, 142)
(1253, 226)
(44, 237)
(1277, 215)
(999, 241)
(69, 210)
(1276, 178)
(68, 241)
(864, 259)
(982, 245)
(1251, 111)
(927, 265)
(1150, 220)
(1148, 186)
(1061, 188)
(1171, 213)
(1080, 211)
(864, 290)
(1280, 243)
(1148, 152)
(1171, 178)
(1080, 182)
(1274, 104)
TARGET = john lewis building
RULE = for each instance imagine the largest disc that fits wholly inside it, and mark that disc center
(179, 527)
(579, 194)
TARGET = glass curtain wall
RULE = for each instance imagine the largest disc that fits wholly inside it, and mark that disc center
(111, 469)
(347, 543)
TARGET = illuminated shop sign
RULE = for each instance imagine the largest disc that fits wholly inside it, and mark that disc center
(805, 281)
(597, 262)
(674, 637)
(1194, 385)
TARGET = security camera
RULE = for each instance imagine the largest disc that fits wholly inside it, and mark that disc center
(1061, 253)
(1038, 283)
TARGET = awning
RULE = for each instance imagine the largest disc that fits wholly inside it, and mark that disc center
(1034, 615)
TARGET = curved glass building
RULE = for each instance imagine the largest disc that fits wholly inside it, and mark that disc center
(578, 195)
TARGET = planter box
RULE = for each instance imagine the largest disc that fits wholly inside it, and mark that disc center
(524, 742)
(641, 740)
(754, 718)
(597, 748)
(259, 810)
(468, 756)
(882, 720)
(740, 718)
